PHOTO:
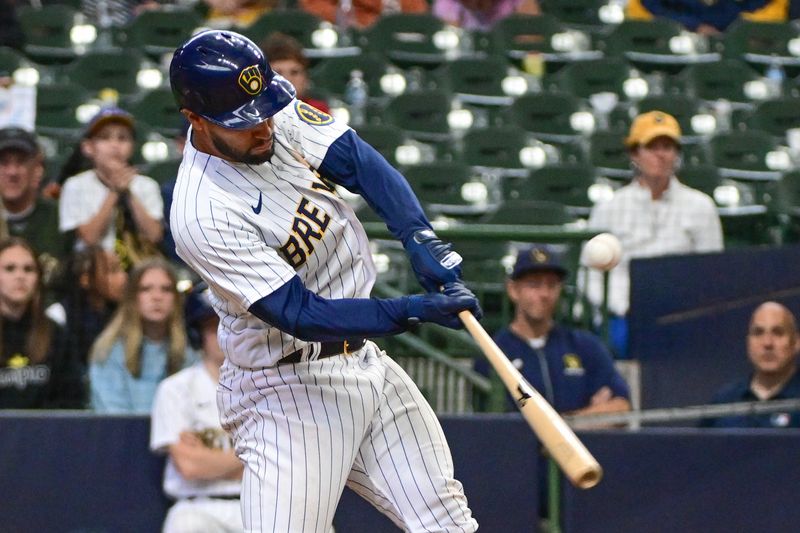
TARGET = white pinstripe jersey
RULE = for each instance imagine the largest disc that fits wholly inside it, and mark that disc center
(248, 229)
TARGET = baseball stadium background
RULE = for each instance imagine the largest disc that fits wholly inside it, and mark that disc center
(507, 137)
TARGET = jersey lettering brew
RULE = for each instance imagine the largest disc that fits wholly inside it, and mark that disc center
(229, 217)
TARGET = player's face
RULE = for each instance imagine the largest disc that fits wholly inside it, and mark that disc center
(113, 144)
(772, 341)
(294, 71)
(20, 175)
(657, 159)
(110, 277)
(155, 297)
(535, 295)
(18, 276)
(252, 146)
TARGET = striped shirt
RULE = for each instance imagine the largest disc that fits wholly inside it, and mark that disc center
(248, 229)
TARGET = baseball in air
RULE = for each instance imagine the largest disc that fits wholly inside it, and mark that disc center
(602, 252)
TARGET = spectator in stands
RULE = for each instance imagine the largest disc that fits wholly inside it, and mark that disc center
(481, 15)
(708, 18)
(95, 285)
(111, 204)
(203, 474)
(32, 360)
(286, 57)
(144, 342)
(654, 215)
(362, 13)
(236, 13)
(27, 214)
(570, 367)
(773, 344)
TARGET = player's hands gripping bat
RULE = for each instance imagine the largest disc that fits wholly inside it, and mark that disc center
(434, 262)
(443, 307)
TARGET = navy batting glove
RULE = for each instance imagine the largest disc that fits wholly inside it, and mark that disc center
(443, 307)
(433, 260)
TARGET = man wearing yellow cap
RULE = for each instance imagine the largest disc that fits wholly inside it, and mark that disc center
(653, 215)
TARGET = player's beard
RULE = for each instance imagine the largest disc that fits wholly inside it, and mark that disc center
(247, 157)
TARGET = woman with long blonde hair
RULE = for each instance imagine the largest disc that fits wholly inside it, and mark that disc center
(144, 342)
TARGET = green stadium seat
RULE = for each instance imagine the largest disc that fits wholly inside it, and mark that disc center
(47, 32)
(296, 23)
(411, 40)
(422, 115)
(547, 115)
(682, 107)
(10, 60)
(157, 108)
(581, 14)
(107, 69)
(56, 106)
(585, 78)
(649, 44)
(529, 212)
(725, 79)
(762, 44)
(477, 81)
(517, 36)
(568, 185)
(776, 116)
(743, 155)
(440, 186)
(161, 31)
(607, 153)
(385, 139)
(162, 171)
(496, 150)
(333, 74)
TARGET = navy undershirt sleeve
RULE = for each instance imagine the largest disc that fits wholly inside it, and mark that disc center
(358, 167)
(301, 313)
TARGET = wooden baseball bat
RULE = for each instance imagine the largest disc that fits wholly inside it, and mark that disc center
(560, 441)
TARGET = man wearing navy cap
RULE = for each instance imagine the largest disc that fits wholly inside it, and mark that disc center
(569, 367)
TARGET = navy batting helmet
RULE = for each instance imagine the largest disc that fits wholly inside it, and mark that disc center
(225, 78)
(197, 309)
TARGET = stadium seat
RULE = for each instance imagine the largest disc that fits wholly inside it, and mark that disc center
(160, 31)
(608, 155)
(585, 78)
(743, 155)
(724, 79)
(296, 23)
(682, 107)
(762, 44)
(411, 40)
(107, 69)
(476, 81)
(517, 36)
(528, 212)
(440, 187)
(157, 108)
(568, 185)
(581, 14)
(549, 116)
(332, 74)
(10, 60)
(497, 150)
(651, 45)
(776, 116)
(162, 171)
(422, 115)
(47, 32)
(56, 106)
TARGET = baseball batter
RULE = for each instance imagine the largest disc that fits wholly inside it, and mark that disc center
(310, 402)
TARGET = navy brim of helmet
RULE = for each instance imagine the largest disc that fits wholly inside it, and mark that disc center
(278, 94)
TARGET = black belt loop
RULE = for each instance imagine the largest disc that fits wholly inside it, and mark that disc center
(327, 349)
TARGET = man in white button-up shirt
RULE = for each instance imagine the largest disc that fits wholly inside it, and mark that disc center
(654, 215)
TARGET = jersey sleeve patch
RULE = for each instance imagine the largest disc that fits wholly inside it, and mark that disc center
(311, 115)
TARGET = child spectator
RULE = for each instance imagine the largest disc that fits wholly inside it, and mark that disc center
(144, 342)
(111, 204)
(32, 358)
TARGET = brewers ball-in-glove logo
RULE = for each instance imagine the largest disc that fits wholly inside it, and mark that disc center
(311, 115)
(251, 81)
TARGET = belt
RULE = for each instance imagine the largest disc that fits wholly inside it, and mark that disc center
(327, 349)
(214, 497)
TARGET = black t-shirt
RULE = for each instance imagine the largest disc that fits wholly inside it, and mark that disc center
(27, 385)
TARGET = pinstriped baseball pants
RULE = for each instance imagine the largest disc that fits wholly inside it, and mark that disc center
(304, 431)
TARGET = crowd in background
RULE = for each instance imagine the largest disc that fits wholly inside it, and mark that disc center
(90, 312)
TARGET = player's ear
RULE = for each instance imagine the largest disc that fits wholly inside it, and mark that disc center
(512, 290)
(194, 119)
